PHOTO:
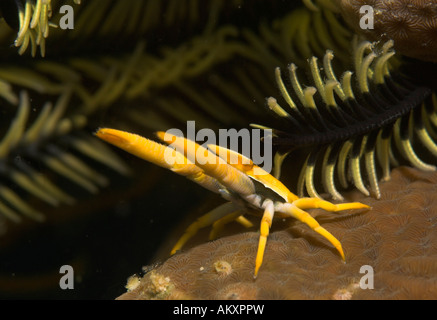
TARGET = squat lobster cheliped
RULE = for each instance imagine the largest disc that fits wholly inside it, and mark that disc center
(233, 181)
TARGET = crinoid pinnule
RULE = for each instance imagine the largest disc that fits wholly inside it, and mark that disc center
(361, 124)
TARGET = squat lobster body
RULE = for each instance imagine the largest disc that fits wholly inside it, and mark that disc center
(212, 169)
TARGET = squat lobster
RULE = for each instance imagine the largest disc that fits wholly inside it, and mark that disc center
(235, 181)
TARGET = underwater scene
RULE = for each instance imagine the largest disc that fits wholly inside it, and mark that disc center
(218, 150)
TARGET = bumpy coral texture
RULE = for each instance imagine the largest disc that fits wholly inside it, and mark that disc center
(397, 238)
(412, 24)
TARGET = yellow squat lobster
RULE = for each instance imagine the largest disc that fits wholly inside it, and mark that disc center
(232, 179)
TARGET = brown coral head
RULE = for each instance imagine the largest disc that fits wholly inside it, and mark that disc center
(412, 24)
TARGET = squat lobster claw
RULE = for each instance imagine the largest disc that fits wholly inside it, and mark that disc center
(234, 180)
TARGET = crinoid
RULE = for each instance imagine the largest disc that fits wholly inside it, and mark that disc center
(84, 87)
(345, 124)
(138, 75)
(36, 145)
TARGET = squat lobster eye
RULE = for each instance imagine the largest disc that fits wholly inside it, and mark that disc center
(233, 180)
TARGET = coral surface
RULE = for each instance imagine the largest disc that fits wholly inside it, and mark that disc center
(411, 24)
(396, 242)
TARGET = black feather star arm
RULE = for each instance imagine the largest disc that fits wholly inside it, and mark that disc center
(354, 126)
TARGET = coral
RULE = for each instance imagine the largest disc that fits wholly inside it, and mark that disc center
(346, 293)
(411, 24)
(397, 239)
(160, 286)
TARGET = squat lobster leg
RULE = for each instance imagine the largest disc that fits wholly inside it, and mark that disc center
(217, 217)
(291, 210)
(266, 223)
(204, 221)
(220, 223)
(316, 203)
